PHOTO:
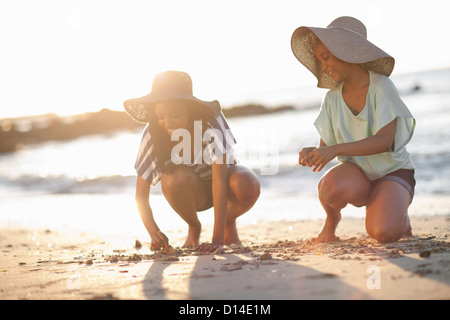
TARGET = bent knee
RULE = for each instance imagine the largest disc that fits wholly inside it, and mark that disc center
(245, 188)
(335, 189)
(384, 234)
(330, 189)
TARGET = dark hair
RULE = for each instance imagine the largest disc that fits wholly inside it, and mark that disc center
(162, 141)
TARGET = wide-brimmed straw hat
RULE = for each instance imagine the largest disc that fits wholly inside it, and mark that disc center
(168, 85)
(346, 39)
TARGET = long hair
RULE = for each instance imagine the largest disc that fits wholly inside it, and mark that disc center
(163, 143)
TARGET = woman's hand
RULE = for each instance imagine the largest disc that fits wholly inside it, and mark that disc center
(159, 240)
(318, 158)
(302, 159)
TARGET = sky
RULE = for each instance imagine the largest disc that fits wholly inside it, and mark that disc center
(69, 57)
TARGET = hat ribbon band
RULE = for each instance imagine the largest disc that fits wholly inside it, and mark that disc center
(346, 29)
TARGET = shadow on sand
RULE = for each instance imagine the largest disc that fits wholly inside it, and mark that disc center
(231, 277)
(244, 275)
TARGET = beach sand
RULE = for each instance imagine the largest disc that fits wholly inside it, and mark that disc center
(277, 261)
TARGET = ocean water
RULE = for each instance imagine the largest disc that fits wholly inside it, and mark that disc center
(89, 182)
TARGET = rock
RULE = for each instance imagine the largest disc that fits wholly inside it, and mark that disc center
(425, 254)
(168, 250)
(265, 256)
(219, 251)
(137, 244)
(134, 257)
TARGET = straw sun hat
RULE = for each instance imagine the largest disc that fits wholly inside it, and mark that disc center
(346, 39)
(168, 85)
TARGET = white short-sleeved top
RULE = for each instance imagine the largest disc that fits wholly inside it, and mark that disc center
(337, 124)
(215, 143)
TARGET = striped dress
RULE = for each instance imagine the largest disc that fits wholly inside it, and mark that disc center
(217, 141)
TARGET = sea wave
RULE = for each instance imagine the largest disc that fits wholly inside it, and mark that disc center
(63, 184)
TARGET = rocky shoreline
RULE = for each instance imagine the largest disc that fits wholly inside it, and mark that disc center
(15, 133)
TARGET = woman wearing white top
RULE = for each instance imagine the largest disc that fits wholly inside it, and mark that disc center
(364, 123)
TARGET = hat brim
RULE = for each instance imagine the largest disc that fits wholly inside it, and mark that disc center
(345, 45)
(140, 108)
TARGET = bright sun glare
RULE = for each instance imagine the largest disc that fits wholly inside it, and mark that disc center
(71, 57)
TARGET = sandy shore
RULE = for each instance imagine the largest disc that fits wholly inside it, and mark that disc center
(278, 260)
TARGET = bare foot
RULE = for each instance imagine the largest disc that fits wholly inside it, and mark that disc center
(193, 237)
(325, 237)
(231, 234)
(209, 247)
(328, 231)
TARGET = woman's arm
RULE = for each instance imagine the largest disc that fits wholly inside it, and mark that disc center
(142, 196)
(220, 200)
(381, 142)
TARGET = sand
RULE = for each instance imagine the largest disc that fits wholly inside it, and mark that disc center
(277, 261)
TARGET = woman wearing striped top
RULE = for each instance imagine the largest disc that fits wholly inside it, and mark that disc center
(187, 146)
